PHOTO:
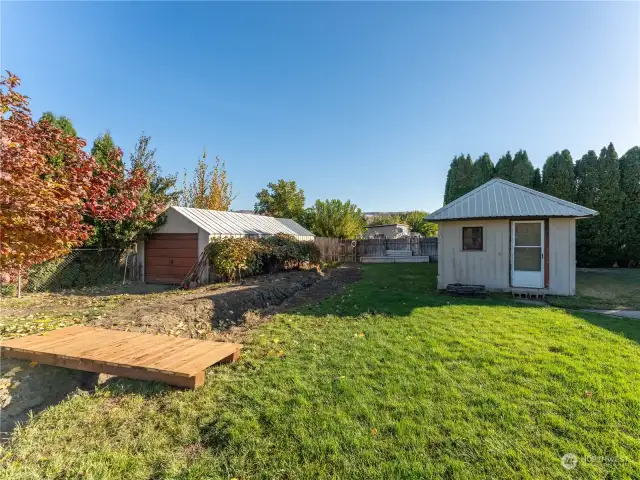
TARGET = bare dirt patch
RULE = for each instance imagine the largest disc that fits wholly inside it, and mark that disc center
(214, 312)
(205, 312)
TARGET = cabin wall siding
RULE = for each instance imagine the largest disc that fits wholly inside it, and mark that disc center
(562, 250)
(489, 267)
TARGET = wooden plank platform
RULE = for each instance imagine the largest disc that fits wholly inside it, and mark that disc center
(176, 361)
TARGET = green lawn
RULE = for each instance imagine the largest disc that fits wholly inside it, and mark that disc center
(604, 288)
(386, 381)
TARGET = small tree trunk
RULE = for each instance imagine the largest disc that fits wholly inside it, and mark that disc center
(20, 281)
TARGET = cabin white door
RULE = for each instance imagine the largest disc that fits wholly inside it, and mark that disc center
(527, 254)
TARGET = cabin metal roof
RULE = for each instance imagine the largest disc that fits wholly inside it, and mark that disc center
(499, 198)
(217, 222)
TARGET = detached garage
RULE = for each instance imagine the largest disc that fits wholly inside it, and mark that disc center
(507, 237)
(168, 255)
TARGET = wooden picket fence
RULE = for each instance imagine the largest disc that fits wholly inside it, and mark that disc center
(339, 250)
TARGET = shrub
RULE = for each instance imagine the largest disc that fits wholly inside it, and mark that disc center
(233, 257)
(8, 290)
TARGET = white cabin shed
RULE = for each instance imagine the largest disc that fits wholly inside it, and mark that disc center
(168, 255)
(508, 238)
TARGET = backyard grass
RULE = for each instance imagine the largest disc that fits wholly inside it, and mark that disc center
(604, 288)
(388, 380)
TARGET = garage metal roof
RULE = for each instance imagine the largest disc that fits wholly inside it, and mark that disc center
(217, 222)
(499, 198)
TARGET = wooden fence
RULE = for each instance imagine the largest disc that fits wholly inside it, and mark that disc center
(338, 250)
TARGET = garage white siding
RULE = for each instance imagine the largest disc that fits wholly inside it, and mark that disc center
(206, 224)
(176, 223)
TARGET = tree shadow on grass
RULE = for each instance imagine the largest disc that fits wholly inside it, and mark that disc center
(396, 290)
(30, 387)
(627, 327)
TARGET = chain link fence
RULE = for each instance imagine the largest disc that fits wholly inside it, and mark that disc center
(85, 267)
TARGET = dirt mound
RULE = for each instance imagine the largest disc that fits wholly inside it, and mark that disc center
(332, 283)
(201, 314)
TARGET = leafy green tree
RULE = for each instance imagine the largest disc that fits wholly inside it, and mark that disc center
(504, 167)
(157, 195)
(416, 222)
(482, 170)
(161, 186)
(336, 219)
(587, 182)
(558, 177)
(630, 184)
(459, 178)
(523, 171)
(282, 199)
(537, 180)
(385, 219)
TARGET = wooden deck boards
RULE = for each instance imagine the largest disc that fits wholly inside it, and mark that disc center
(177, 361)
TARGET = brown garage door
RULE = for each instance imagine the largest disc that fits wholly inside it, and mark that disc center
(169, 257)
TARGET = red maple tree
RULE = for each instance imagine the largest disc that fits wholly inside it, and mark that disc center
(42, 203)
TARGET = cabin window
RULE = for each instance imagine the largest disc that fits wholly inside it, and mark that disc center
(471, 238)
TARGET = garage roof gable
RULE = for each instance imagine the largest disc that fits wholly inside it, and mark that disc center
(217, 222)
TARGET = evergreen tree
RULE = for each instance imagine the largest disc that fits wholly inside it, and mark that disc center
(61, 122)
(64, 124)
(105, 150)
(447, 185)
(459, 178)
(558, 177)
(504, 167)
(523, 171)
(537, 180)
(587, 181)
(607, 243)
(630, 184)
(482, 170)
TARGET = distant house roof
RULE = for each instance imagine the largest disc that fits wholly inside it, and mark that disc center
(499, 198)
(217, 222)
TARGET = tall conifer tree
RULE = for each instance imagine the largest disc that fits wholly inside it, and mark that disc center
(558, 177)
(504, 167)
(630, 184)
(482, 170)
(523, 171)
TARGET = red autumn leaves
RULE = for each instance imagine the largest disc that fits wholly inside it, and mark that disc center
(43, 202)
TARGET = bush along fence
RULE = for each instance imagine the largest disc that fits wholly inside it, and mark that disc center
(81, 268)
(234, 258)
(339, 250)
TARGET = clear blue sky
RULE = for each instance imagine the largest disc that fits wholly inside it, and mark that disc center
(360, 101)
